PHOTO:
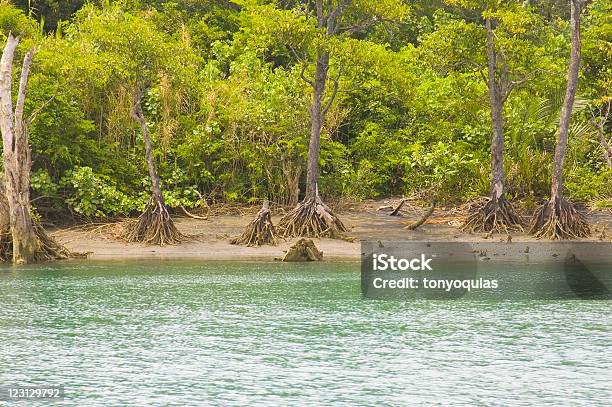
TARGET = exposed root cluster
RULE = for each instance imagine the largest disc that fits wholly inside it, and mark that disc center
(559, 219)
(154, 226)
(48, 248)
(312, 218)
(259, 231)
(492, 215)
(6, 246)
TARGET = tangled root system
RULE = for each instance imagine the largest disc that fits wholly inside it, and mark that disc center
(559, 219)
(48, 249)
(492, 215)
(259, 231)
(154, 226)
(312, 218)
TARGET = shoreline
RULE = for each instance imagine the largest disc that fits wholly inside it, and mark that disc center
(364, 223)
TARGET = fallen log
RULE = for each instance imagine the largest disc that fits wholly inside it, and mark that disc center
(422, 219)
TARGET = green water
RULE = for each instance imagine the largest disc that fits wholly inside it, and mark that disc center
(239, 334)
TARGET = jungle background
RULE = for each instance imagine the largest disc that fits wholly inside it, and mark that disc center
(227, 106)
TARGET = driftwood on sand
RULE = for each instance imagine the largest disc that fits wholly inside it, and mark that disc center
(303, 250)
(422, 219)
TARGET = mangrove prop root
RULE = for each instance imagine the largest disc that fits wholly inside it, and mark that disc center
(559, 219)
(312, 218)
(192, 216)
(6, 246)
(154, 226)
(48, 248)
(492, 215)
(259, 231)
(204, 205)
(422, 219)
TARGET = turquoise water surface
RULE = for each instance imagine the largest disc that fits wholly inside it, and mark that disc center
(240, 334)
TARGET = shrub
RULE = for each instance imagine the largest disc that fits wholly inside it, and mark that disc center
(91, 194)
(43, 185)
(584, 184)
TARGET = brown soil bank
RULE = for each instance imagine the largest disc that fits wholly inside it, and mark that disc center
(363, 221)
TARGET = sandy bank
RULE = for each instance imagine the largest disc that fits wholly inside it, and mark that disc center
(364, 223)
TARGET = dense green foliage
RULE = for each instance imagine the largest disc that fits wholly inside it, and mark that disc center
(228, 109)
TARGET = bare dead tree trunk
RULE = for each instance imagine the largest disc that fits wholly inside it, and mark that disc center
(138, 115)
(27, 241)
(16, 155)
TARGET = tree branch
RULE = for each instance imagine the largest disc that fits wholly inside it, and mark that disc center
(23, 85)
(295, 53)
(303, 76)
(362, 26)
(334, 92)
(304, 65)
(35, 113)
(319, 8)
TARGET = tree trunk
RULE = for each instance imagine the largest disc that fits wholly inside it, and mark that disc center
(154, 225)
(495, 98)
(317, 117)
(292, 175)
(607, 150)
(601, 127)
(495, 213)
(568, 102)
(138, 115)
(16, 155)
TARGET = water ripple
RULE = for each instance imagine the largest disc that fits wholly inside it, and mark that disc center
(268, 334)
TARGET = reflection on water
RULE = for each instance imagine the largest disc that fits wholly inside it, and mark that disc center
(275, 334)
